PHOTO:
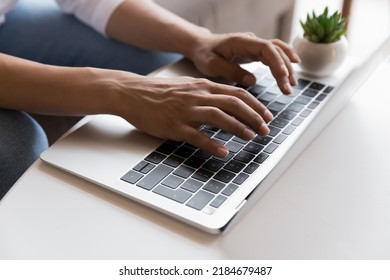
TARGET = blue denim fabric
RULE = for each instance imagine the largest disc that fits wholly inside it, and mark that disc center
(40, 31)
(21, 142)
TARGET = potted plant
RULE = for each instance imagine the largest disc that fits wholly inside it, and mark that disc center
(323, 46)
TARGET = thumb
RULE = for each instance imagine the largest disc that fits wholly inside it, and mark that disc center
(233, 72)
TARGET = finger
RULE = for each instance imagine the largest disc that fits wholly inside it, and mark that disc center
(291, 77)
(231, 71)
(194, 137)
(288, 56)
(278, 67)
(241, 94)
(287, 50)
(218, 118)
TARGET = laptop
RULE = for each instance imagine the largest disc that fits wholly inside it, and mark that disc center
(190, 185)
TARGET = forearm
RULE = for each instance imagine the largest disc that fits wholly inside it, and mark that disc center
(39, 88)
(147, 25)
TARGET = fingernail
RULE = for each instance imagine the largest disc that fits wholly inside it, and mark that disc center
(264, 130)
(294, 80)
(222, 152)
(248, 134)
(285, 70)
(268, 116)
(288, 88)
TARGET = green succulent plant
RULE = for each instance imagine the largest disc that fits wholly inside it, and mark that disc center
(324, 28)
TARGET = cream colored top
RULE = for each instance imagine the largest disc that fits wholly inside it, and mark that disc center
(94, 13)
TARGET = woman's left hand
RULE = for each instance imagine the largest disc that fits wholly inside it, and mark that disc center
(217, 55)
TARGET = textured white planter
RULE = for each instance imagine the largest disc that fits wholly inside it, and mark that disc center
(320, 59)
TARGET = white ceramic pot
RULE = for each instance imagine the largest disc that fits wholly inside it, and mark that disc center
(320, 59)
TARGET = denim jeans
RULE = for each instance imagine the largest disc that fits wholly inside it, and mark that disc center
(40, 31)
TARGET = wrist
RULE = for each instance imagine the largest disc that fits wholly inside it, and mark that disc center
(191, 44)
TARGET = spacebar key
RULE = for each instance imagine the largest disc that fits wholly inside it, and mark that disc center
(154, 177)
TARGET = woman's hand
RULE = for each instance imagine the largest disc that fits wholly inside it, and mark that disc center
(217, 55)
(175, 108)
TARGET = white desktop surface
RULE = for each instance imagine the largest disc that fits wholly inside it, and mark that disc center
(333, 202)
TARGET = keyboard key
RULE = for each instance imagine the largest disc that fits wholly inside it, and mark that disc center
(261, 158)
(212, 128)
(213, 165)
(207, 132)
(190, 145)
(321, 97)
(202, 154)
(240, 178)
(244, 157)
(266, 82)
(214, 186)
(251, 168)
(271, 148)
(256, 90)
(310, 93)
(287, 115)
(303, 100)
(166, 148)
(280, 139)
(279, 122)
(154, 177)
(273, 131)
(296, 107)
(194, 162)
(184, 171)
(184, 151)
(223, 135)
(263, 140)
(131, 177)
(233, 147)
(218, 201)
(178, 195)
(191, 185)
(275, 89)
(302, 83)
(147, 168)
(224, 176)
(297, 121)
(288, 130)
(317, 86)
(225, 159)
(140, 165)
(173, 161)
(276, 107)
(253, 147)
(172, 181)
(305, 113)
(313, 105)
(174, 143)
(203, 175)
(285, 99)
(239, 140)
(234, 166)
(267, 97)
(296, 91)
(229, 189)
(328, 89)
(155, 157)
(200, 200)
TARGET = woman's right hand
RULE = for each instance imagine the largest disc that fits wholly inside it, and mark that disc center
(175, 108)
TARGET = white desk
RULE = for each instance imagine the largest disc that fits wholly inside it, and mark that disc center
(332, 203)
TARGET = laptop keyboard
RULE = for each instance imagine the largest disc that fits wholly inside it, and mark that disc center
(190, 176)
